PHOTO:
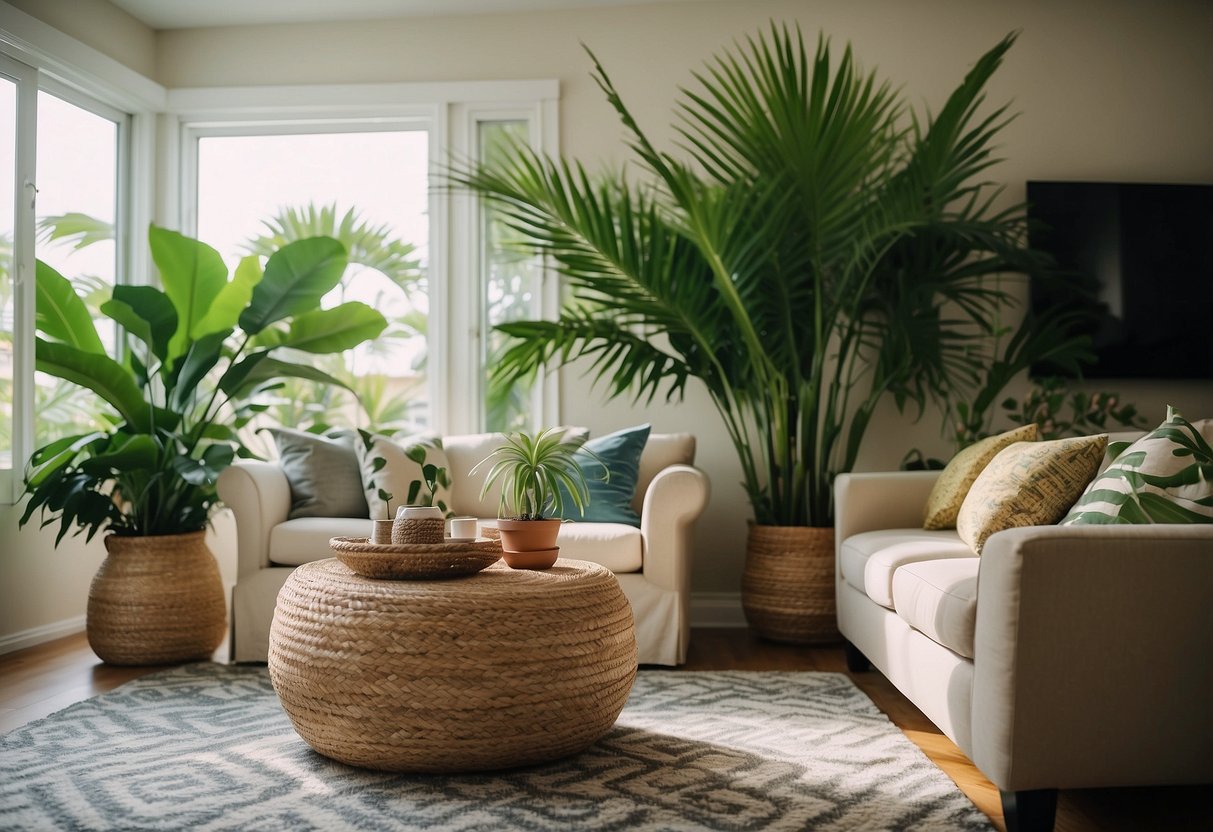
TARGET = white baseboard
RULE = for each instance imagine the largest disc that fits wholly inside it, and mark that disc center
(40, 635)
(716, 609)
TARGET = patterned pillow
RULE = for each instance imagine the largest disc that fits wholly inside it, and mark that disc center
(957, 478)
(1028, 484)
(392, 466)
(1164, 477)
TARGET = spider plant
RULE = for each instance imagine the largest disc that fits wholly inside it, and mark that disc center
(538, 472)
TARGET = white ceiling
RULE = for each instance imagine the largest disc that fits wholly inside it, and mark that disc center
(184, 14)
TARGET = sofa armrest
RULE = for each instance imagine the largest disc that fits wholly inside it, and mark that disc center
(260, 497)
(674, 500)
(1092, 657)
(883, 500)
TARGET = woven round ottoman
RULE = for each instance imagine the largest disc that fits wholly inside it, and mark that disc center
(500, 669)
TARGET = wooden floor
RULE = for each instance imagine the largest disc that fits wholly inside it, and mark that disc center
(44, 679)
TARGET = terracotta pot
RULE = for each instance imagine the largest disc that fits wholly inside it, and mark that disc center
(528, 536)
(787, 587)
(539, 559)
(156, 600)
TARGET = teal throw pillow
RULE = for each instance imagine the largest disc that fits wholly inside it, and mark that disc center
(1164, 477)
(610, 501)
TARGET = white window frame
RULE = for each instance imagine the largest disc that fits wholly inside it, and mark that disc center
(451, 113)
(46, 59)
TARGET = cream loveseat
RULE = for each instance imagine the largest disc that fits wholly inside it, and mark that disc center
(652, 563)
(1063, 657)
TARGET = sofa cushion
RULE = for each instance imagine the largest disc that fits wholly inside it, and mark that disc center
(296, 542)
(614, 545)
(939, 599)
(869, 560)
(948, 494)
(610, 465)
(1165, 476)
(617, 546)
(322, 473)
(401, 466)
(1029, 484)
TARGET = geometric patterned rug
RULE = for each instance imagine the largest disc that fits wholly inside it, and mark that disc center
(207, 747)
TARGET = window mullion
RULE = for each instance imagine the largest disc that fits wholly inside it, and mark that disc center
(24, 291)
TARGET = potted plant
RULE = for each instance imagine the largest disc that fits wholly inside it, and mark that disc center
(194, 359)
(817, 247)
(538, 472)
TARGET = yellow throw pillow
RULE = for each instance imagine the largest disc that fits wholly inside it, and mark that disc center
(1028, 484)
(957, 478)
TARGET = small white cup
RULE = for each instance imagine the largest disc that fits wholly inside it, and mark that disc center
(463, 527)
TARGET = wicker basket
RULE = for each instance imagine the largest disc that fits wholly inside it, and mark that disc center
(787, 587)
(502, 669)
(418, 530)
(156, 600)
(415, 560)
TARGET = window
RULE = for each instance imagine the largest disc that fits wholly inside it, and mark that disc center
(512, 284)
(77, 234)
(8, 190)
(264, 165)
(367, 186)
(65, 197)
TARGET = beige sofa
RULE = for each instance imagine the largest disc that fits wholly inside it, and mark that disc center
(652, 563)
(1063, 657)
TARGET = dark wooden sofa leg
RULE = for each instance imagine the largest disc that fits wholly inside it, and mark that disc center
(1029, 811)
(857, 662)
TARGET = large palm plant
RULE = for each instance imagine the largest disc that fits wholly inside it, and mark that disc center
(816, 246)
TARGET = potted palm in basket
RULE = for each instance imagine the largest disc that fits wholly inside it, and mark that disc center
(195, 360)
(538, 473)
(815, 247)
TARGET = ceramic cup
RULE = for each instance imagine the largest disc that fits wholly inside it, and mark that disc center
(463, 527)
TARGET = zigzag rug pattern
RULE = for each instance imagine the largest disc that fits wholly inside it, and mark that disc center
(207, 747)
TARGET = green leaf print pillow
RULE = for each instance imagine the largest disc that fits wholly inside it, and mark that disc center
(1164, 477)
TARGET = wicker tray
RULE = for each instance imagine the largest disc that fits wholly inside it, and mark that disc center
(415, 560)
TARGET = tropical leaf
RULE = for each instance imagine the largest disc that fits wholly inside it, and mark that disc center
(296, 277)
(99, 373)
(224, 312)
(145, 312)
(333, 330)
(77, 229)
(192, 274)
(61, 314)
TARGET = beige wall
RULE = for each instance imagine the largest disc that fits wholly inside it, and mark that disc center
(103, 26)
(1108, 89)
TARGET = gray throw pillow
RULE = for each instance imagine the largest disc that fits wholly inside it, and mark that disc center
(323, 474)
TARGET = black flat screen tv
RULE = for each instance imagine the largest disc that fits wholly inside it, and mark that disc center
(1142, 256)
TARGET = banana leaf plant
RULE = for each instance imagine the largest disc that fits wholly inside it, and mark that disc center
(193, 362)
(814, 246)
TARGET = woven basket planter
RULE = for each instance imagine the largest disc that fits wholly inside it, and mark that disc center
(414, 531)
(787, 587)
(156, 600)
(499, 669)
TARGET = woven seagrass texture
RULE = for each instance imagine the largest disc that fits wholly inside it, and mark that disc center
(428, 530)
(504, 668)
(156, 600)
(416, 560)
(787, 586)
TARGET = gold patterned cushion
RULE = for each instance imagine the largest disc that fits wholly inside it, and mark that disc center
(957, 478)
(1028, 484)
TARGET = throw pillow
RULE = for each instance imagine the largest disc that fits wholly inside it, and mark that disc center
(1028, 484)
(943, 505)
(323, 474)
(1164, 477)
(610, 501)
(396, 467)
